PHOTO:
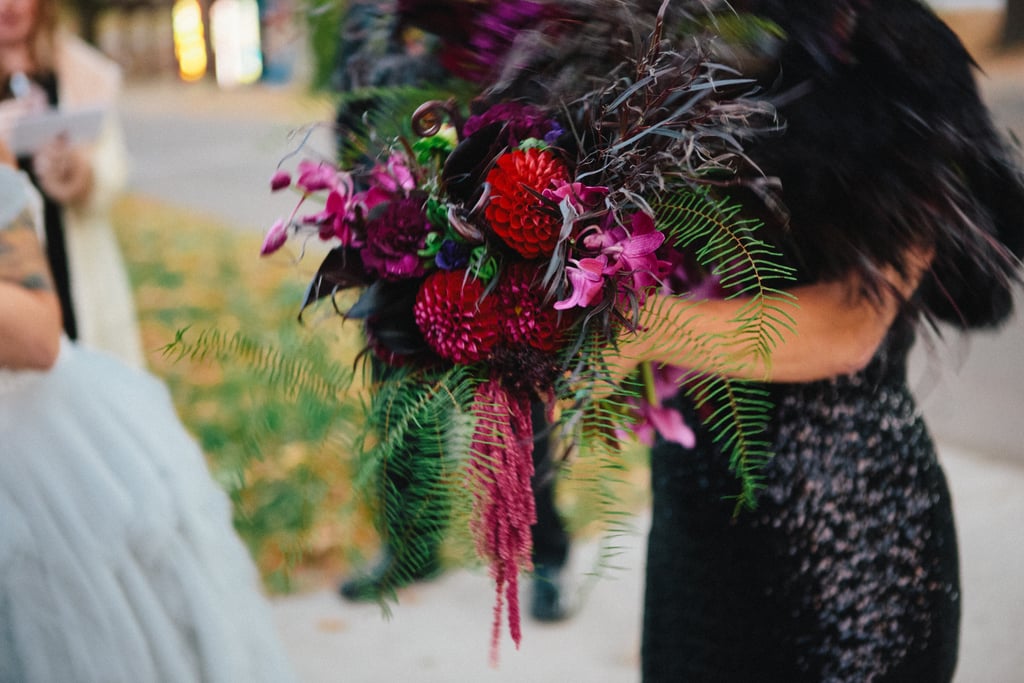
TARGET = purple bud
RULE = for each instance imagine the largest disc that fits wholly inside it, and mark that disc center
(452, 255)
(275, 239)
(280, 180)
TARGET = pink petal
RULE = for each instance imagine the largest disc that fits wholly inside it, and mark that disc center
(315, 176)
(642, 223)
(373, 197)
(394, 175)
(670, 425)
(275, 239)
(575, 299)
(280, 180)
(587, 280)
(337, 203)
(642, 245)
(580, 196)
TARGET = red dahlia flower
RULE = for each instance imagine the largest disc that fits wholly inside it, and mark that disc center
(524, 221)
(527, 319)
(456, 321)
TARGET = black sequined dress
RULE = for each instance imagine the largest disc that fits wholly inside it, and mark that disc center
(846, 571)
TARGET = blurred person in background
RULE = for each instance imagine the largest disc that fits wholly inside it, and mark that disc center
(41, 68)
(118, 561)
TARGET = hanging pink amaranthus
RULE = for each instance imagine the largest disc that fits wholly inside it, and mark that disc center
(501, 470)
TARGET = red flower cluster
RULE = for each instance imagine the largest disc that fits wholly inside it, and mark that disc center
(528, 319)
(516, 212)
(458, 322)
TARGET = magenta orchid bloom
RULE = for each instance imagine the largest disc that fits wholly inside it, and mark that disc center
(394, 176)
(388, 181)
(636, 252)
(654, 417)
(338, 214)
(275, 239)
(373, 197)
(632, 252)
(581, 197)
(587, 280)
(666, 422)
(315, 176)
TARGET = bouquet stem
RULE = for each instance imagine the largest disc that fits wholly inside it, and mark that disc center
(647, 378)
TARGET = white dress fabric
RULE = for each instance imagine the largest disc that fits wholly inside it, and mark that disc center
(118, 561)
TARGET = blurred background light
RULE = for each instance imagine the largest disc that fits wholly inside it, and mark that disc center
(189, 39)
(235, 34)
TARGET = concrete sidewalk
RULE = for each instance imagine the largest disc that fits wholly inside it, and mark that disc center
(439, 632)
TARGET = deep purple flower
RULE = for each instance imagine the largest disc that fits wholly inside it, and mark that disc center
(524, 121)
(476, 36)
(496, 28)
(394, 236)
(551, 137)
(452, 256)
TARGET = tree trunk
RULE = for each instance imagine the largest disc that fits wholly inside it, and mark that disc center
(1013, 24)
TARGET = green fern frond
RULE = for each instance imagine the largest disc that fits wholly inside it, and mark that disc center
(737, 422)
(298, 374)
(601, 443)
(728, 246)
(415, 443)
(282, 459)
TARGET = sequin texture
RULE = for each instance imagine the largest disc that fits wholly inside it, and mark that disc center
(847, 569)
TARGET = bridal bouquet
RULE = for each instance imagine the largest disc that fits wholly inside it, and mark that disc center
(506, 249)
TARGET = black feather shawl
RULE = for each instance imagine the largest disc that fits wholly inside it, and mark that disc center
(887, 145)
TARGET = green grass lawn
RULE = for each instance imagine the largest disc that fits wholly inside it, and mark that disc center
(282, 456)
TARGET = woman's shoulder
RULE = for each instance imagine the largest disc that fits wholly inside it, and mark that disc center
(86, 75)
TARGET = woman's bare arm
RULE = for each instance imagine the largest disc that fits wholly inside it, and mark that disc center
(30, 317)
(835, 330)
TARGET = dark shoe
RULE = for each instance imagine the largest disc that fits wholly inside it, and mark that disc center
(548, 602)
(387, 576)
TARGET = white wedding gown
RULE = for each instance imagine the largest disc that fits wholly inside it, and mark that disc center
(118, 561)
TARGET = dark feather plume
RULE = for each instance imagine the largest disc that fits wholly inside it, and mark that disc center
(887, 146)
